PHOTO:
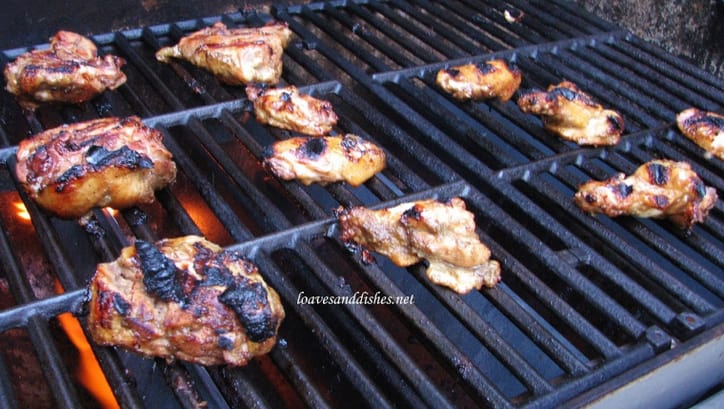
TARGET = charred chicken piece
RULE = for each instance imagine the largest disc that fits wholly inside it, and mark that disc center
(573, 115)
(184, 298)
(236, 56)
(325, 160)
(289, 109)
(103, 162)
(70, 71)
(442, 233)
(485, 80)
(706, 129)
(658, 189)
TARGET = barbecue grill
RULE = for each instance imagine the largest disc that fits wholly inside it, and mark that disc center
(590, 310)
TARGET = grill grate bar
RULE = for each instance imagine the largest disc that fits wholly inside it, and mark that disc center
(7, 398)
(327, 338)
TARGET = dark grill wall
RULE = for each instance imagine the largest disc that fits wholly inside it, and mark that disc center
(584, 300)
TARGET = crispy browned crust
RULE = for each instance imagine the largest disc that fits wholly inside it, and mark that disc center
(658, 189)
(323, 160)
(571, 114)
(485, 80)
(442, 233)
(289, 109)
(70, 71)
(236, 56)
(105, 162)
(184, 298)
(706, 129)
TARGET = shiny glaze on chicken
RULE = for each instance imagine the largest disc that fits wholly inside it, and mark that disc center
(573, 115)
(113, 162)
(184, 298)
(658, 189)
(70, 71)
(441, 233)
(347, 158)
(236, 56)
(706, 129)
(287, 108)
(485, 80)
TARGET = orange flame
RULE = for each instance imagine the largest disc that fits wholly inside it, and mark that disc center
(89, 373)
(21, 211)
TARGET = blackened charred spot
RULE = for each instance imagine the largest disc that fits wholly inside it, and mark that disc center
(589, 198)
(615, 123)
(454, 72)
(267, 152)
(658, 173)
(285, 97)
(699, 188)
(661, 201)
(226, 343)
(349, 142)
(160, 275)
(485, 68)
(249, 302)
(120, 304)
(623, 190)
(75, 172)
(711, 120)
(216, 275)
(413, 213)
(566, 93)
(99, 157)
(314, 147)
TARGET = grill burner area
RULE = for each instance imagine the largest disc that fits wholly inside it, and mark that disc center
(586, 304)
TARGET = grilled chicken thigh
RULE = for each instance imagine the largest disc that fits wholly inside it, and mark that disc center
(69, 71)
(573, 115)
(658, 189)
(289, 109)
(485, 80)
(184, 298)
(442, 233)
(236, 56)
(706, 129)
(104, 162)
(325, 160)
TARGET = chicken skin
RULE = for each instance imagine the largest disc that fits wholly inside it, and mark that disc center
(572, 114)
(325, 160)
(706, 129)
(236, 56)
(287, 108)
(104, 162)
(485, 80)
(442, 233)
(184, 298)
(657, 189)
(70, 71)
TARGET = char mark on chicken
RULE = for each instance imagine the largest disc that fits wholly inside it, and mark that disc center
(573, 115)
(441, 233)
(184, 298)
(115, 162)
(236, 56)
(70, 71)
(323, 160)
(657, 189)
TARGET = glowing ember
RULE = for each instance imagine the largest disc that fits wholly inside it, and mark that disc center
(89, 373)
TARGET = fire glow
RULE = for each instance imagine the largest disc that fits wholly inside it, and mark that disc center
(88, 373)
(21, 211)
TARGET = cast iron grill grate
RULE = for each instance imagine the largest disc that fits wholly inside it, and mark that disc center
(583, 299)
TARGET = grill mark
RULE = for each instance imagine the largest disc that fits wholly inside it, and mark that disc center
(661, 201)
(249, 302)
(623, 190)
(485, 68)
(99, 157)
(160, 275)
(658, 173)
(313, 148)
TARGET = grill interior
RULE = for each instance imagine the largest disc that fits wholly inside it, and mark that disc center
(583, 299)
